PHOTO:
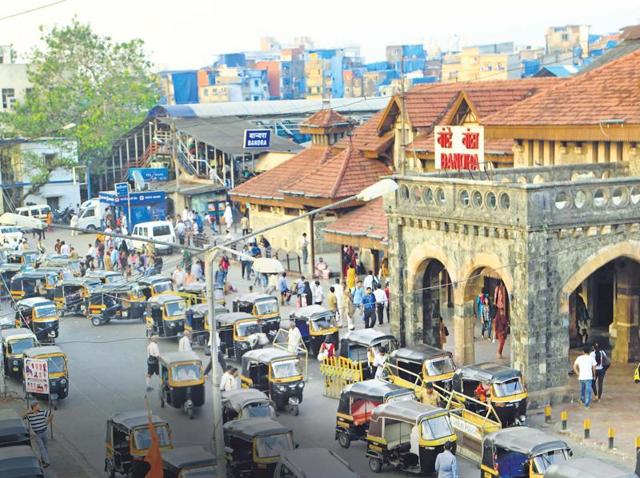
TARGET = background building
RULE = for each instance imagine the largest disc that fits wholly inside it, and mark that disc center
(14, 82)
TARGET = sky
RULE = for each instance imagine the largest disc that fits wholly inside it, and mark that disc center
(190, 33)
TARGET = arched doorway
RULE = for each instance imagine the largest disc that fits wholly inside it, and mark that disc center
(437, 301)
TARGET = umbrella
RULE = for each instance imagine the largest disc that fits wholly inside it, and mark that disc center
(267, 266)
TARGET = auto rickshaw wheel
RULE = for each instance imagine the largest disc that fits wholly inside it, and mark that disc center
(375, 465)
(95, 321)
(295, 409)
(190, 413)
(344, 440)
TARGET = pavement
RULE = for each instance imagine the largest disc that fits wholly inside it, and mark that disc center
(107, 375)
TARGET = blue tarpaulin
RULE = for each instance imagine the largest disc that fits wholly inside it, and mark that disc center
(185, 87)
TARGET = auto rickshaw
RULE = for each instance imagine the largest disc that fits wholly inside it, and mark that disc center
(390, 434)
(246, 403)
(358, 347)
(521, 452)
(14, 343)
(24, 258)
(586, 468)
(277, 373)
(154, 285)
(430, 364)
(19, 461)
(197, 323)
(315, 323)
(357, 401)
(128, 442)
(262, 306)
(72, 295)
(506, 393)
(34, 283)
(195, 293)
(165, 315)
(239, 333)
(64, 262)
(116, 301)
(182, 380)
(57, 368)
(13, 430)
(40, 316)
(312, 463)
(254, 445)
(7, 271)
(106, 277)
(189, 462)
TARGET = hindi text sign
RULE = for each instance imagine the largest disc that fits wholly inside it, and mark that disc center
(257, 138)
(459, 147)
(36, 376)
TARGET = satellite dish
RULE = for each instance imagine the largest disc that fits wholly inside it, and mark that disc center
(139, 181)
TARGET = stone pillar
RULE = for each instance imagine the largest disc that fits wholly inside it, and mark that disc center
(398, 301)
(465, 352)
(626, 311)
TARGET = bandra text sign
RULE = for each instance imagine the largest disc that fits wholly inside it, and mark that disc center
(257, 138)
(459, 147)
(36, 376)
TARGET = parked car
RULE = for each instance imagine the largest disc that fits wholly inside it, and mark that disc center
(154, 230)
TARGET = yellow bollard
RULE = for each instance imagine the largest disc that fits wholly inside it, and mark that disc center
(564, 416)
(547, 414)
(586, 425)
(612, 434)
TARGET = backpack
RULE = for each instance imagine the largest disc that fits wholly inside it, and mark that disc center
(605, 361)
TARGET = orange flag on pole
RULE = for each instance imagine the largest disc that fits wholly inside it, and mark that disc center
(153, 455)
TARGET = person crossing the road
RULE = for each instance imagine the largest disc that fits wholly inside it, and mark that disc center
(153, 363)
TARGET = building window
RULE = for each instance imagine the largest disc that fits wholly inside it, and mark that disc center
(49, 158)
(565, 37)
(256, 83)
(8, 97)
(262, 208)
(289, 211)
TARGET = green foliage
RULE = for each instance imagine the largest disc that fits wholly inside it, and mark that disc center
(79, 77)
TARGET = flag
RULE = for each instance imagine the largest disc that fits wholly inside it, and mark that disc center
(153, 455)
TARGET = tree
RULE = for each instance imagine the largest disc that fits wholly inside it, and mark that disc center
(78, 77)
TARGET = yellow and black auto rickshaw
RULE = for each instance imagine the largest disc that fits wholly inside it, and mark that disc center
(182, 381)
(523, 452)
(24, 258)
(421, 364)
(356, 404)
(20, 460)
(197, 322)
(117, 301)
(64, 262)
(254, 445)
(72, 295)
(106, 277)
(358, 346)
(7, 271)
(277, 373)
(239, 333)
(189, 462)
(40, 316)
(57, 368)
(315, 324)
(154, 285)
(129, 440)
(586, 468)
(14, 344)
(503, 389)
(262, 306)
(34, 283)
(394, 426)
(165, 315)
(194, 293)
(246, 403)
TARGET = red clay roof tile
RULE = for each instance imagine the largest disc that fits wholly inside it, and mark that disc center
(369, 220)
(326, 118)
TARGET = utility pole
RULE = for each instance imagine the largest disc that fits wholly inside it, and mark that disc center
(403, 143)
(174, 156)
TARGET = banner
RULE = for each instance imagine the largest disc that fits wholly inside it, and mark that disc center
(151, 175)
(36, 376)
(459, 147)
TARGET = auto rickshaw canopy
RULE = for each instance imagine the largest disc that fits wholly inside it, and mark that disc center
(194, 288)
(487, 372)
(586, 468)
(525, 440)
(36, 274)
(172, 358)
(16, 334)
(106, 277)
(33, 302)
(231, 318)
(10, 268)
(238, 399)
(249, 428)
(163, 299)
(367, 337)
(47, 350)
(18, 461)
(375, 390)
(12, 429)
(188, 457)
(310, 312)
(420, 353)
(154, 279)
(316, 463)
(406, 411)
(134, 419)
(253, 297)
(89, 282)
(266, 355)
(203, 310)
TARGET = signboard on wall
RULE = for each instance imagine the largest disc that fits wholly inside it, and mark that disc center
(36, 376)
(151, 175)
(257, 138)
(122, 190)
(459, 147)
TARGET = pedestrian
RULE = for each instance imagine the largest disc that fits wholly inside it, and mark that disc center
(184, 344)
(272, 284)
(283, 288)
(317, 293)
(245, 262)
(294, 338)
(346, 310)
(585, 367)
(219, 277)
(485, 314)
(153, 364)
(180, 230)
(178, 277)
(358, 295)
(339, 288)
(379, 361)
(351, 277)
(39, 421)
(308, 294)
(369, 306)
(225, 264)
(383, 273)
(229, 380)
(64, 248)
(108, 265)
(228, 216)
(74, 223)
(244, 224)
(57, 246)
(602, 365)
(583, 321)
(100, 254)
(368, 281)
(266, 245)
(220, 355)
(49, 221)
(327, 349)
(90, 255)
(303, 245)
(73, 254)
(501, 330)
(381, 304)
(443, 332)
(332, 301)
(446, 464)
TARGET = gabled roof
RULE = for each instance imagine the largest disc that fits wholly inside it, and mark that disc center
(367, 138)
(608, 93)
(326, 118)
(369, 220)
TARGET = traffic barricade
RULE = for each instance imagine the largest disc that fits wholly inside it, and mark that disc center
(339, 372)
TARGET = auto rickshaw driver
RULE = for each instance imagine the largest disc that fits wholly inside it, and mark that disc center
(482, 391)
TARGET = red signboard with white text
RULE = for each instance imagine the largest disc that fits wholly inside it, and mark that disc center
(459, 147)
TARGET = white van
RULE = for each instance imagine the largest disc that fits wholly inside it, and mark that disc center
(39, 211)
(156, 230)
(89, 218)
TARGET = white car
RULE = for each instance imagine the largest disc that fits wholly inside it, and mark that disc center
(156, 230)
(12, 234)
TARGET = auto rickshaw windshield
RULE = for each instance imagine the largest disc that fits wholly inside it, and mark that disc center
(247, 328)
(286, 368)
(435, 428)
(200, 472)
(45, 311)
(440, 366)
(142, 437)
(358, 353)
(508, 388)
(323, 322)
(270, 446)
(185, 372)
(175, 308)
(30, 258)
(265, 307)
(55, 364)
(114, 279)
(161, 287)
(20, 345)
(544, 461)
(257, 410)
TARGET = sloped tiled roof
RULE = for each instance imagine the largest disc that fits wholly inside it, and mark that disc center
(366, 137)
(369, 220)
(268, 184)
(610, 92)
(341, 175)
(326, 118)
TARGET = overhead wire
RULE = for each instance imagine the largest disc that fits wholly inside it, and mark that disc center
(31, 10)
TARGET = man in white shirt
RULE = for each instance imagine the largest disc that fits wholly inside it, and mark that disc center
(178, 277)
(303, 244)
(153, 365)
(585, 369)
(381, 303)
(317, 293)
(368, 281)
(65, 248)
(379, 361)
(294, 338)
(184, 344)
(339, 291)
(230, 380)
